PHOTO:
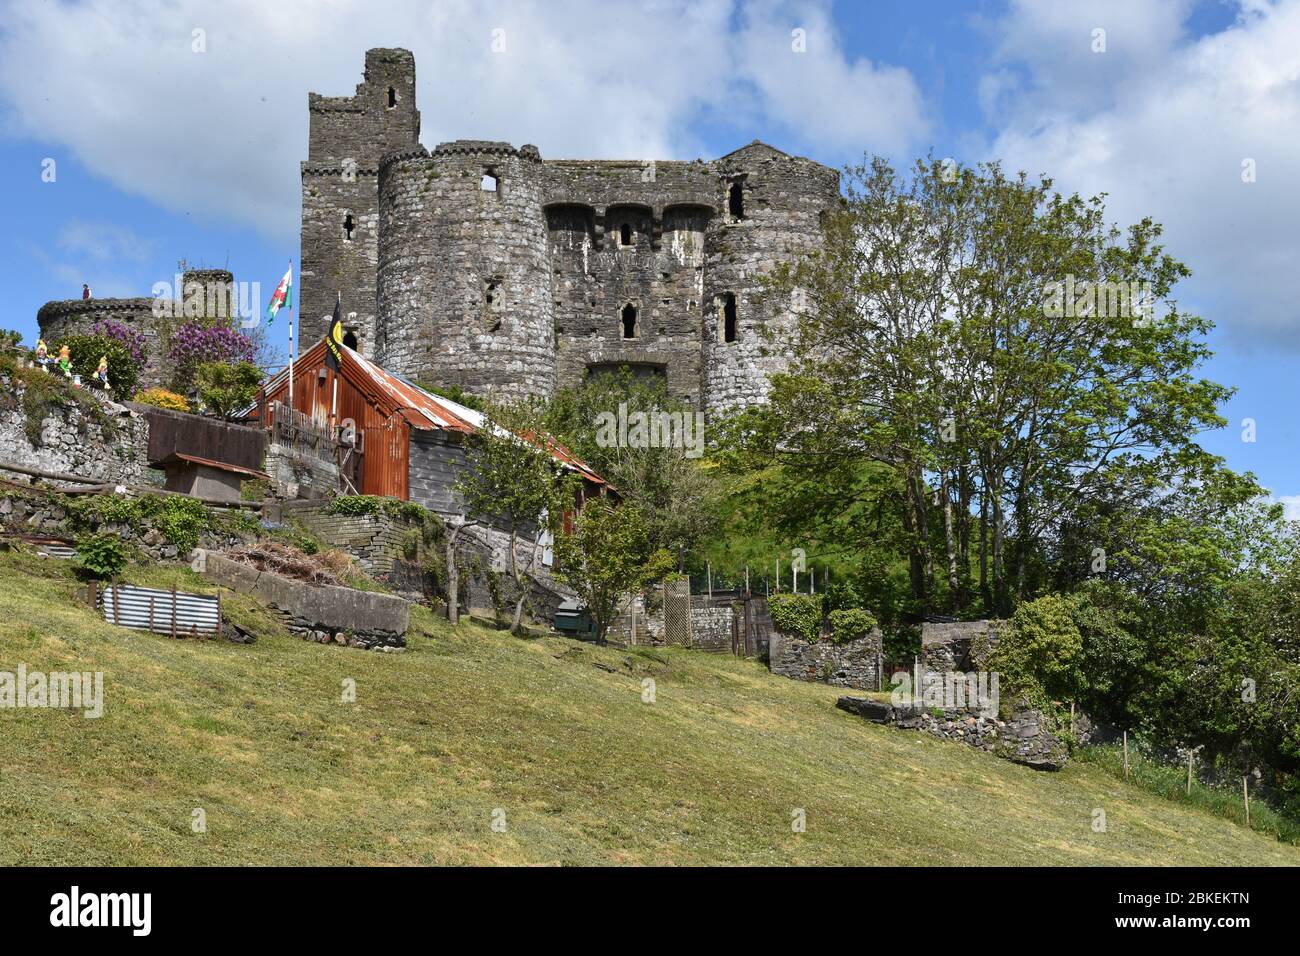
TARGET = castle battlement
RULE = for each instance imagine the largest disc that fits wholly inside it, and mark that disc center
(484, 265)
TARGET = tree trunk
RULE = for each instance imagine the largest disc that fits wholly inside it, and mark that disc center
(949, 540)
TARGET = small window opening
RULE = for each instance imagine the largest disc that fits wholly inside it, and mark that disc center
(629, 321)
(348, 225)
(489, 183)
(392, 97)
(625, 234)
(350, 340)
(729, 318)
(736, 200)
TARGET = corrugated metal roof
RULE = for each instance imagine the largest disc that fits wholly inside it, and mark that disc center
(419, 407)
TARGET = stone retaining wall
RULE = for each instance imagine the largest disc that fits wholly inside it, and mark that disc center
(855, 664)
(99, 439)
(322, 613)
(1024, 738)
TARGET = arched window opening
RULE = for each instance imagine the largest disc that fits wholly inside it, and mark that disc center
(348, 225)
(392, 97)
(729, 318)
(736, 200)
(625, 234)
(350, 340)
(629, 321)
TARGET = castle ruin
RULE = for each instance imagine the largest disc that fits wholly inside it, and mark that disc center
(484, 266)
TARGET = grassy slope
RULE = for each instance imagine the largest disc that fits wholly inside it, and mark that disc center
(473, 720)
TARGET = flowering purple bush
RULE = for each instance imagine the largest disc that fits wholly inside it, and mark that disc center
(194, 344)
(132, 340)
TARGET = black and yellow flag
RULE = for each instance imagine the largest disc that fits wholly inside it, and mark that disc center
(334, 337)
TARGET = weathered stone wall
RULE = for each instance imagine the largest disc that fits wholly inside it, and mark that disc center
(1024, 738)
(464, 274)
(784, 198)
(855, 664)
(33, 514)
(357, 618)
(522, 289)
(98, 440)
(299, 474)
(949, 646)
(347, 137)
(375, 541)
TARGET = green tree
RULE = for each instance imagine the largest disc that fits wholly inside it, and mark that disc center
(608, 557)
(931, 339)
(225, 388)
(514, 483)
(676, 494)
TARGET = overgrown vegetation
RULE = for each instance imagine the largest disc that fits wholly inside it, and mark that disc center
(798, 614)
(42, 394)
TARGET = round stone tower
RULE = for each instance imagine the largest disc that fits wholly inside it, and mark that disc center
(772, 205)
(464, 291)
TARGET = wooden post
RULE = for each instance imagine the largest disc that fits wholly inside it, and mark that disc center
(1126, 755)
(151, 613)
(633, 618)
(747, 580)
(1245, 796)
(117, 606)
(219, 630)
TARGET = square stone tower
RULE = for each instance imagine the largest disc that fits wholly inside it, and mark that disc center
(340, 203)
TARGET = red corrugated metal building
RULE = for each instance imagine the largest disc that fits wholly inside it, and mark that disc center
(385, 409)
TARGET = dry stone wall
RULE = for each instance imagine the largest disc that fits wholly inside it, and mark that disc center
(854, 664)
(90, 439)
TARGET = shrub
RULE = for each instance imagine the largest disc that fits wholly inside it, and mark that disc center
(195, 343)
(101, 556)
(798, 614)
(162, 398)
(850, 623)
(224, 389)
(1041, 653)
(839, 596)
(85, 352)
(360, 505)
(131, 339)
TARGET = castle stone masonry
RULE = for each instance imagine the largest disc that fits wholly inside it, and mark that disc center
(482, 265)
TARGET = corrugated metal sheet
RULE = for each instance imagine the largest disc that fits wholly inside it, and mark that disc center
(163, 612)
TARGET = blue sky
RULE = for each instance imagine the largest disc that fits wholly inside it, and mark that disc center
(177, 127)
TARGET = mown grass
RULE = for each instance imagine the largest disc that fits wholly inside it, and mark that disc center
(551, 735)
(1171, 784)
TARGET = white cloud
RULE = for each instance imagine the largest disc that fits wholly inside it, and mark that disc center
(1162, 122)
(104, 242)
(221, 133)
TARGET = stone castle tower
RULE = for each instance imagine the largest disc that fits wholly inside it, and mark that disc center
(482, 265)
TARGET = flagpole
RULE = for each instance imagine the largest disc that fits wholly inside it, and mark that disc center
(334, 399)
(291, 334)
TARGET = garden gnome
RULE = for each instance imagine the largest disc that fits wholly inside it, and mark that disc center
(101, 373)
(65, 361)
(42, 355)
